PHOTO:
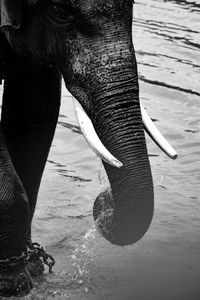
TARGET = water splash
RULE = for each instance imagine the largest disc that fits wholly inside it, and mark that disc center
(82, 257)
(102, 176)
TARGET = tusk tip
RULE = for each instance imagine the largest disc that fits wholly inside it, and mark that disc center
(117, 163)
(172, 153)
(174, 156)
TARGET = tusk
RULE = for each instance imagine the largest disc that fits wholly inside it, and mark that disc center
(156, 136)
(92, 138)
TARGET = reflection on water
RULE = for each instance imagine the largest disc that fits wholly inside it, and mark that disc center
(166, 36)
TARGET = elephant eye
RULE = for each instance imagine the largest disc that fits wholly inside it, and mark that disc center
(62, 10)
(62, 5)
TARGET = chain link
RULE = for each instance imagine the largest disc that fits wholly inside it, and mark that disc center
(14, 261)
(36, 250)
(33, 251)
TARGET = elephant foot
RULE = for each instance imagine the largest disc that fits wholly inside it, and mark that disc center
(15, 282)
(37, 258)
(35, 266)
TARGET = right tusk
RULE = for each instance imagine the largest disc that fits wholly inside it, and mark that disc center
(92, 138)
(156, 136)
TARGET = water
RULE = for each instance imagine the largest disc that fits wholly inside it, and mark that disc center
(165, 264)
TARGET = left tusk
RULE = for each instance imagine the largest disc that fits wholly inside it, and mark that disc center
(156, 136)
(92, 138)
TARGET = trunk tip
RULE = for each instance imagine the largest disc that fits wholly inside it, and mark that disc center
(121, 225)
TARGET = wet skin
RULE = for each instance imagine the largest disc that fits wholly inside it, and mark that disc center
(90, 44)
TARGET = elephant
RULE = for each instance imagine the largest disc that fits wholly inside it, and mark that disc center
(89, 44)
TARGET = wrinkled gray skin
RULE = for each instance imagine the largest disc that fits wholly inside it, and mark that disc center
(90, 44)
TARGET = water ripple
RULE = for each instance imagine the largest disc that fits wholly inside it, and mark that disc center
(164, 84)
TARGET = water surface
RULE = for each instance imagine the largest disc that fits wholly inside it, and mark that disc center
(165, 264)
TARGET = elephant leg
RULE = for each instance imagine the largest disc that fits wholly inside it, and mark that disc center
(31, 102)
(14, 217)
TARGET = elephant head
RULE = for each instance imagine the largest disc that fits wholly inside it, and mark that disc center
(91, 44)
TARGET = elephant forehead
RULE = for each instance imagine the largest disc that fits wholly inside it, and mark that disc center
(105, 7)
(31, 2)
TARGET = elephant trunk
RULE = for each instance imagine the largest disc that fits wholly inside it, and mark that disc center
(124, 213)
(102, 76)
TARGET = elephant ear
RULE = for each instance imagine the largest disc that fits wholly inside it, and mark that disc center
(10, 14)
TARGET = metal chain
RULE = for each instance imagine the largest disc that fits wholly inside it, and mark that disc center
(14, 261)
(34, 250)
